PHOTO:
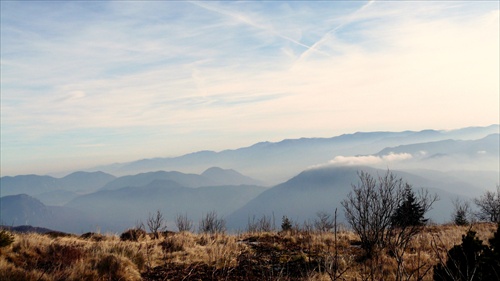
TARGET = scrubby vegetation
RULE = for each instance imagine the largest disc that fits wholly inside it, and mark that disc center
(275, 255)
(5, 238)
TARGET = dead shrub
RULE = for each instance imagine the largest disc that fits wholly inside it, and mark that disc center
(212, 223)
(13, 273)
(92, 236)
(117, 268)
(125, 250)
(56, 234)
(133, 234)
(171, 245)
(62, 255)
(6, 238)
(203, 240)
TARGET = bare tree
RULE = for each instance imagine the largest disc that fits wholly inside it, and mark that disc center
(264, 224)
(369, 208)
(211, 223)
(489, 206)
(156, 223)
(374, 203)
(324, 222)
(252, 225)
(183, 223)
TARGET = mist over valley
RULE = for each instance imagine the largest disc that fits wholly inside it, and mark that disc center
(296, 178)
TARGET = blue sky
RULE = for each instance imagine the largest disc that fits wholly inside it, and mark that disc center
(93, 82)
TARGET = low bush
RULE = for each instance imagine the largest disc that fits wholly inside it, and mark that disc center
(117, 268)
(6, 238)
(171, 244)
(92, 236)
(133, 234)
(471, 260)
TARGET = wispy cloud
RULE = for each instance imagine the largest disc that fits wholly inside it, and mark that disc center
(246, 20)
(348, 19)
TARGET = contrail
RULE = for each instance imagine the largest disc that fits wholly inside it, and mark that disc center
(245, 20)
(318, 43)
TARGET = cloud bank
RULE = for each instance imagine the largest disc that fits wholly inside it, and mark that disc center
(369, 159)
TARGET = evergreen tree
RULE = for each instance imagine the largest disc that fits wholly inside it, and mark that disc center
(286, 224)
(410, 212)
(492, 257)
(461, 212)
(465, 262)
(495, 241)
(460, 218)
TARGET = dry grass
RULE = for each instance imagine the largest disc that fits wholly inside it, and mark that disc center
(246, 256)
(40, 257)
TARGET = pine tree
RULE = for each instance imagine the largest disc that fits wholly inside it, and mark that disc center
(410, 212)
(461, 218)
(492, 258)
(461, 212)
(286, 224)
(465, 261)
(495, 241)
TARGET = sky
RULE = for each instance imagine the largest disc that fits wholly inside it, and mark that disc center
(85, 83)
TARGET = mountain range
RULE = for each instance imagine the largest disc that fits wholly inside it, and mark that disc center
(294, 178)
(276, 162)
(54, 191)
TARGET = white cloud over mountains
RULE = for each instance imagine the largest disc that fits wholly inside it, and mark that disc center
(369, 159)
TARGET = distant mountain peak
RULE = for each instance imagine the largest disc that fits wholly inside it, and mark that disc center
(213, 170)
(228, 176)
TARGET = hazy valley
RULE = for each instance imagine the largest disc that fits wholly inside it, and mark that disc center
(295, 178)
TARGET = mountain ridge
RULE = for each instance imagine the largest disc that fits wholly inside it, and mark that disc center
(274, 162)
(23, 209)
(299, 178)
(323, 189)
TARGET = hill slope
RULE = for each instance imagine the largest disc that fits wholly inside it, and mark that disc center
(322, 190)
(116, 210)
(56, 191)
(23, 209)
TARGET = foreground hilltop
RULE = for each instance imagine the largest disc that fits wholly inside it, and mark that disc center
(288, 255)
